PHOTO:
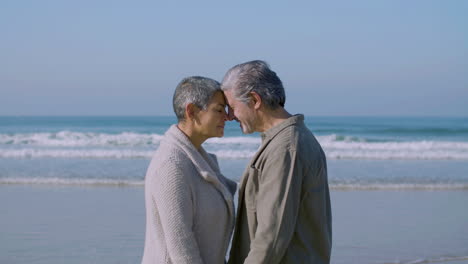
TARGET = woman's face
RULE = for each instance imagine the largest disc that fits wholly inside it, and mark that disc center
(211, 120)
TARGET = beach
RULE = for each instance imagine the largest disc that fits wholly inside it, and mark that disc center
(71, 188)
(88, 90)
(76, 224)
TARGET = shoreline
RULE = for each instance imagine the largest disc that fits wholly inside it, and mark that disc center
(96, 183)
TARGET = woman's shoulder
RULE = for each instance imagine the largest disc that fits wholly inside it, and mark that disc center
(170, 153)
(169, 161)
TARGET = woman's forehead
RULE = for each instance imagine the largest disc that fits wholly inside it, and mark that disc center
(218, 99)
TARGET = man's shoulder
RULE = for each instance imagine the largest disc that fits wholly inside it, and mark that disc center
(297, 139)
(291, 137)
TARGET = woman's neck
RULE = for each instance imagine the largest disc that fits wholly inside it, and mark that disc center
(192, 135)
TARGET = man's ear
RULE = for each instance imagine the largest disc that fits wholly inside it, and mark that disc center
(256, 100)
(190, 111)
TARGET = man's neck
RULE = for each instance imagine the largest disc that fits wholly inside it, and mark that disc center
(272, 118)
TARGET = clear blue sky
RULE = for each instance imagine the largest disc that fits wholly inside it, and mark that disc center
(407, 58)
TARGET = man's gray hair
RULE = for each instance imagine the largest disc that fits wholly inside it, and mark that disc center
(255, 76)
(196, 90)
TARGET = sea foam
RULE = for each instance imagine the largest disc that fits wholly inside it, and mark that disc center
(128, 145)
(125, 183)
(80, 139)
(62, 181)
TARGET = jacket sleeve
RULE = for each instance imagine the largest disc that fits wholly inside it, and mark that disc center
(277, 207)
(173, 198)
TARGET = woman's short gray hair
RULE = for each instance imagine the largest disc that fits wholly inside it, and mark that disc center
(255, 76)
(196, 90)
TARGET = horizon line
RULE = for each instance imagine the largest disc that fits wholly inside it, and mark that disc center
(307, 115)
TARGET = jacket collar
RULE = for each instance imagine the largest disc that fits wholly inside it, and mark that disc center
(272, 132)
(268, 135)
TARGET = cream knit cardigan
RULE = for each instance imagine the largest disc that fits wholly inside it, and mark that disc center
(189, 205)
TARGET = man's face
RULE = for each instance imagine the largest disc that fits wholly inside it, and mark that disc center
(241, 112)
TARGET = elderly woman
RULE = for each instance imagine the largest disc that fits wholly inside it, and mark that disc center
(189, 203)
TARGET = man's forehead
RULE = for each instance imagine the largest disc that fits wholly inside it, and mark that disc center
(229, 97)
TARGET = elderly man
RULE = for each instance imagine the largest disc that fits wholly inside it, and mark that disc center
(284, 212)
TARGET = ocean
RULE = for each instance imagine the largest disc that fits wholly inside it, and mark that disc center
(398, 180)
(116, 150)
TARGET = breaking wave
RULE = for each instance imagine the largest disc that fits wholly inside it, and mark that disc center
(128, 145)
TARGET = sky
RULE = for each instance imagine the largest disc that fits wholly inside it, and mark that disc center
(348, 58)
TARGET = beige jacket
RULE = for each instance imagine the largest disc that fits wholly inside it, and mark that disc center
(189, 205)
(284, 212)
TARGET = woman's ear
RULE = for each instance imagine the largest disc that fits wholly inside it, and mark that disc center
(190, 111)
(256, 100)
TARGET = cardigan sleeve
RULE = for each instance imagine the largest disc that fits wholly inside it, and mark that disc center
(173, 198)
